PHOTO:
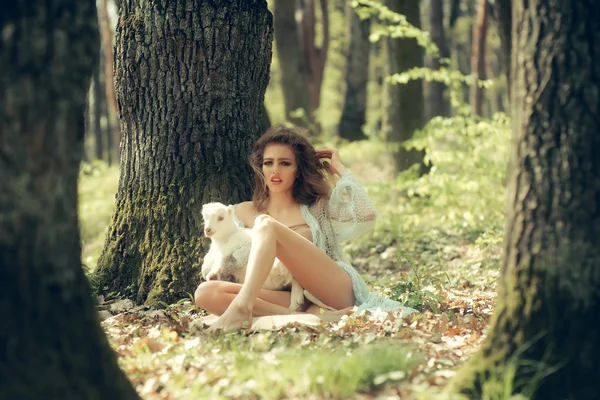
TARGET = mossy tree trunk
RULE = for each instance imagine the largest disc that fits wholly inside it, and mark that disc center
(549, 293)
(294, 81)
(51, 342)
(354, 110)
(191, 77)
(404, 108)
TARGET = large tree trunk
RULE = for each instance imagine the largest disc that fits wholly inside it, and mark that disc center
(404, 109)
(190, 100)
(109, 84)
(354, 111)
(51, 342)
(550, 282)
(437, 104)
(294, 81)
(478, 56)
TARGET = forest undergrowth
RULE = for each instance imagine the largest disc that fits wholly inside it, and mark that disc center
(437, 247)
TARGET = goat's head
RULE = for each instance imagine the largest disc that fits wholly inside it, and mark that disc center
(218, 220)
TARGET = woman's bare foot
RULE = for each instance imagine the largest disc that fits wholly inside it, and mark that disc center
(209, 319)
(329, 315)
(234, 318)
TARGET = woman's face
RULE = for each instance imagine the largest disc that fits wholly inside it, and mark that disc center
(279, 167)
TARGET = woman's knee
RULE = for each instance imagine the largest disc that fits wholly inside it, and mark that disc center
(263, 224)
(206, 293)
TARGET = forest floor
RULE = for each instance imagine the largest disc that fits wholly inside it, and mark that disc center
(448, 275)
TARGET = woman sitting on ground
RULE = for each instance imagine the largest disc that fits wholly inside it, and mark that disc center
(297, 218)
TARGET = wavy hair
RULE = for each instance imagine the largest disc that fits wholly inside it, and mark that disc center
(312, 183)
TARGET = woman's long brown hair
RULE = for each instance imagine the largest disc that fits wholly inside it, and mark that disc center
(311, 183)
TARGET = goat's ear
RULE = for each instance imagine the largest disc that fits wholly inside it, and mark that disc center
(230, 210)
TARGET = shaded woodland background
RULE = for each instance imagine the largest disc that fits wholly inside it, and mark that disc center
(332, 78)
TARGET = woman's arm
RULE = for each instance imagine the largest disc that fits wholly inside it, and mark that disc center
(350, 209)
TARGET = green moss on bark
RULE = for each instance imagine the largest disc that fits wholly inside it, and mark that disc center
(152, 252)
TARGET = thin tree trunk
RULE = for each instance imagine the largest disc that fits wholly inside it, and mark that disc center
(498, 91)
(190, 112)
(265, 121)
(99, 95)
(294, 81)
(51, 342)
(503, 12)
(109, 84)
(478, 56)
(454, 13)
(354, 110)
(437, 104)
(314, 57)
(404, 108)
(550, 280)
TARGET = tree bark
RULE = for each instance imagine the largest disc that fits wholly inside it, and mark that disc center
(550, 281)
(404, 108)
(294, 78)
(437, 104)
(478, 56)
(51, 342)
(109, 84)
(354, 110)
(191, 77)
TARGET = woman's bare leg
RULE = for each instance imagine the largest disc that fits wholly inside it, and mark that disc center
(216, 296)
(309, 265)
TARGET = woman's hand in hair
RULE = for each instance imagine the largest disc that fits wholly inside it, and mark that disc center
(335, 164)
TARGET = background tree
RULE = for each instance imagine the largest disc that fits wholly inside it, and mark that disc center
(356, 76)
(51, 343)
(315, 56)
(112, 123)
(550, 280)
(294, 77)
(502, 11)
(436, 103)
(98, 97)
(478, 66)
(404, 105)
(190, 96)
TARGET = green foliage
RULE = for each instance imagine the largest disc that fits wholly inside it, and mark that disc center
(464, 190)
(411, 292)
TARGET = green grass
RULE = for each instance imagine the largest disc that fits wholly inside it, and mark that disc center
(97, 189)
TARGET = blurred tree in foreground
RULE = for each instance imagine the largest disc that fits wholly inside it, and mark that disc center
(549, 289)
(51, 342)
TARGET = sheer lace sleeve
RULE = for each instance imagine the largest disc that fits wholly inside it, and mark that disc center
(350, 209)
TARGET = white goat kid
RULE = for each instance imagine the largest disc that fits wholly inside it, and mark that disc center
(227, 257)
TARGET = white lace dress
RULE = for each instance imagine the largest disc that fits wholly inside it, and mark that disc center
(347, 214)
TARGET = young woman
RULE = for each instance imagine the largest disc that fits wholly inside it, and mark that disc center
(297, 218)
